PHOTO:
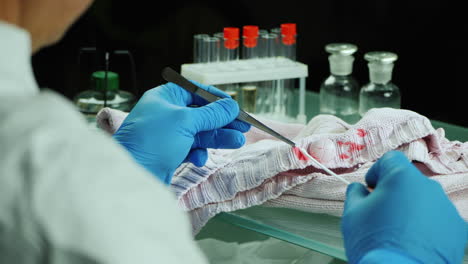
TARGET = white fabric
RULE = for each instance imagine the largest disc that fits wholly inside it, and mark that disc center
(266, 171)
(69, 194)
(110, 120)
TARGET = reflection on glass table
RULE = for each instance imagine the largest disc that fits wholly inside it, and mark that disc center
(319, 232)
(267, 251)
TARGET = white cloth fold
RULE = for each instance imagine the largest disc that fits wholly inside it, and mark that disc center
(109, 119)
(267, 171)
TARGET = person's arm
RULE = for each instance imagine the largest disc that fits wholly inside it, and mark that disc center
(407, 217)
(72, 195)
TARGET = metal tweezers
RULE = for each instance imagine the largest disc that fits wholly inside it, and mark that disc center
(172, 76)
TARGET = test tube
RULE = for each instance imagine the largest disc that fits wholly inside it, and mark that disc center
(199, 48)
(249, 51)
(249, 42)
(287, 50)
(288, 40)
(231, 44)
(220, 36)
(266, 97)
(211, 49)
(262, 32)
(274, 104)
(276, 30)
(230, 52)
(260, 48)
(269, 44)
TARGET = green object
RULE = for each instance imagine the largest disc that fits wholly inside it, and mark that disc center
(98, 81)
(318, 232)
(101, 95)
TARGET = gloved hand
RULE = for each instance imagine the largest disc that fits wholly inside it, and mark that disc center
(406, 214)
(161, 131)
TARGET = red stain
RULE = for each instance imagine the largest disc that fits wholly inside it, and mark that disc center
(344, 156)
(355, 147)
(352, 147)
(299, 154)
(361, 132)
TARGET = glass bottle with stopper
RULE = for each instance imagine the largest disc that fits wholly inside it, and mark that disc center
(380, 91)
(339, 93)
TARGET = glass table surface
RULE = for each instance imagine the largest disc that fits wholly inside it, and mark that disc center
(318, 232)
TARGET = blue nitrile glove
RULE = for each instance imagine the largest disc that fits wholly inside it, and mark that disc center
(161, 131)
(407, 215)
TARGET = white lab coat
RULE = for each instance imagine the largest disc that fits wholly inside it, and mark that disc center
(69, 194)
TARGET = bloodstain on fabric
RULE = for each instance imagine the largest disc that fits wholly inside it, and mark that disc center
(352, 147)
(361, 132)
(299, 154)
(344, 156)
(355, 147)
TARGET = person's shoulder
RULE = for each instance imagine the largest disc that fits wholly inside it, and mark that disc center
(42, 118)
(37, 110)
(33, 133)
(45, 131)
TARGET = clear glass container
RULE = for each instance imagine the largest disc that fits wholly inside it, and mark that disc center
(249, 90)
(212, 50)
(288, 45)
(90, 102)
(230, 44)
(380, 91)
(283, 89)
(339, 96)
(230, 52)
(265, 100)
(339, 93)
(198, 48)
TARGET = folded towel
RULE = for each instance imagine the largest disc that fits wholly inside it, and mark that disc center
(266, 171)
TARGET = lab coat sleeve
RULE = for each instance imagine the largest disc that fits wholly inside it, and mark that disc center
(69, 194)
(383, 256)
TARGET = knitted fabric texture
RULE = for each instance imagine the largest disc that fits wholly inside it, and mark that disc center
(267, 171)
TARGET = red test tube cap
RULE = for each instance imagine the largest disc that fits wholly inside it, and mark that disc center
(288, 31)
(250, 34)
(231, 37)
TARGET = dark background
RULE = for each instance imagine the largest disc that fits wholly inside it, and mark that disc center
(430, 38)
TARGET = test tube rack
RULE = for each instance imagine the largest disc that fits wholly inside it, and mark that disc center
(250, 70)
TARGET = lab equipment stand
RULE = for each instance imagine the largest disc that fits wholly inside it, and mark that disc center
(253, 70)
